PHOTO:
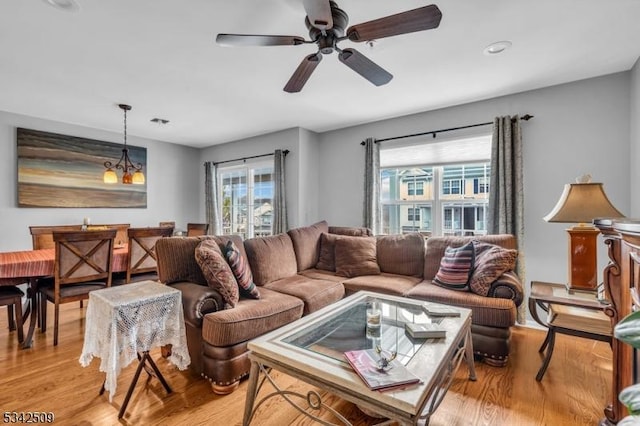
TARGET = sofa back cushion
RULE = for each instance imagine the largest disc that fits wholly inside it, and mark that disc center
(306, 244)
(401, 254)
(437, 245)
(271, 258)
(356, 256)
(177, 260)
(352, 231)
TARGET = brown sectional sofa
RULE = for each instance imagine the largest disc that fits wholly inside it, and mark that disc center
(293, 272)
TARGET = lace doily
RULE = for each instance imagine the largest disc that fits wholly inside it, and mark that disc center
(129, 319)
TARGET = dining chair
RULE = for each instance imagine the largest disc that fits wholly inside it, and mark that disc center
(171, 224)
(195, 229)
(142, 263)
(82, 265)
(11, 297)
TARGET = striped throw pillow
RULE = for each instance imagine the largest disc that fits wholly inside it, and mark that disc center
(456, 267)
(241, 271)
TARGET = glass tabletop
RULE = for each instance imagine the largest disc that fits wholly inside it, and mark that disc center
(368, 324)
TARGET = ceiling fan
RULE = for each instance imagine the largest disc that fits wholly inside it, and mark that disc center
(326, 23)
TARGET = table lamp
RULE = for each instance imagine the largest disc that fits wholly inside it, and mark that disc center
(580, 203)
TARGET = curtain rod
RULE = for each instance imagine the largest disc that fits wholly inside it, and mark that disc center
(286, 151)
(433, 133)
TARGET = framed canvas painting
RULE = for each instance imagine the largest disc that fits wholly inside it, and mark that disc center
(66, 171)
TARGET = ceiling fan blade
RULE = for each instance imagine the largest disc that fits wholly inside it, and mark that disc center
(319, 13)
(302, 73)
(257, 40)
(423, 18)
(364, 66)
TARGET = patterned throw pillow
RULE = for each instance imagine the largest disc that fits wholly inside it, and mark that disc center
(491, 262)
(217, 272)
(241, 271)
(456, 267)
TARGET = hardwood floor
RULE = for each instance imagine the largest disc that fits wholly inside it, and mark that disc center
(50, 379)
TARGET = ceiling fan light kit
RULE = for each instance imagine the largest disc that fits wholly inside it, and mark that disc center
(327, 25)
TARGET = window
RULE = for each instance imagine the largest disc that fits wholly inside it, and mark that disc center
(415, 188)
(452, 186)
(413, 214)
(246, 199)
(481, 185)
(436, 199)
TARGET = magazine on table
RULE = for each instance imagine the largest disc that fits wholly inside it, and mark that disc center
(364, 362)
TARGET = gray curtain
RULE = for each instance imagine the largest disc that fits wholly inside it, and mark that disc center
(212, 204)
(506, 200)
(279, 195)
(372, 213)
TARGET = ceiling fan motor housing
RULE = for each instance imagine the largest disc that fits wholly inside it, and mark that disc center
(327, 41)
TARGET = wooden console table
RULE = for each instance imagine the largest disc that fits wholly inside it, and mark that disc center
(620, 276)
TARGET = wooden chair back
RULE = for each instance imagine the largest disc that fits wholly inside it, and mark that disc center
(83, 256)
(42, 236)
(195, 229)
(171, 224)
(142, 249)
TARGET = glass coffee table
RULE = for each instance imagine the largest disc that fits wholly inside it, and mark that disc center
(312, 349)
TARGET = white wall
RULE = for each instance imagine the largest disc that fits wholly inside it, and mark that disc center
(172, 185)
(581, 127)
(634, 113)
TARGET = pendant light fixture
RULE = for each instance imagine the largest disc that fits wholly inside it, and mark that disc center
(124, 163)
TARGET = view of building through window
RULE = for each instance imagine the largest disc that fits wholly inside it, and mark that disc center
(450, 199)
(246, 200)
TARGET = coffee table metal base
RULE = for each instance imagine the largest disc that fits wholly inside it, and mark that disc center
(314, 405)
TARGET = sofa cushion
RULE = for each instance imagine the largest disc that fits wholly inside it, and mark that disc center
(314, 293)
(456, 267)
(327, 257)
(306, 243)
(490, 311)
(490, 263)
(177, 261)
(321, 274)
(383, 283)
(352, 231)
(272, 258)
(250, 318)
(217, 272)
(356, 256)
(241, 271)
(437, 245)
(401, 254)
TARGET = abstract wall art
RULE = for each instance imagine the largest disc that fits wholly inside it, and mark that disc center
(66, 171)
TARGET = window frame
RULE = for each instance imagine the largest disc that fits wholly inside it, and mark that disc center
(250, 168)
(467, 205)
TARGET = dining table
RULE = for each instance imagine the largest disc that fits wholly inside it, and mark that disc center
(26, 266)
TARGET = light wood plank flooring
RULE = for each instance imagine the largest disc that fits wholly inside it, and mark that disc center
(573, 392)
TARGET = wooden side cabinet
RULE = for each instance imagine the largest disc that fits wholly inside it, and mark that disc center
(620, 275)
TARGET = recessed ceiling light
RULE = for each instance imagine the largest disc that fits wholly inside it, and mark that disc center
(497, 47)
(66, 5)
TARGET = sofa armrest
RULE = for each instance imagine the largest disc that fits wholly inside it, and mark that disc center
(507, 286)
(197, 301)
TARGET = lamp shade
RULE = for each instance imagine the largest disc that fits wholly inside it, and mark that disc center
(581, 203)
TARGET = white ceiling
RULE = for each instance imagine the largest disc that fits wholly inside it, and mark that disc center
(160, 57)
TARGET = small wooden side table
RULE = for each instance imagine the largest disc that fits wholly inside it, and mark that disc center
(125, 322)
(576, 314)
